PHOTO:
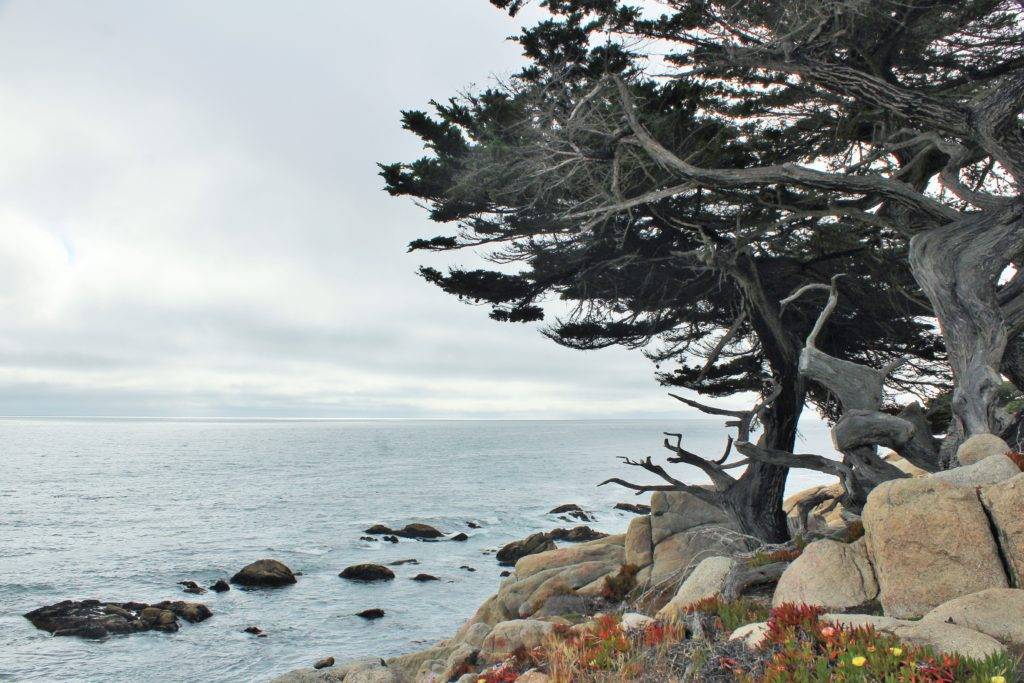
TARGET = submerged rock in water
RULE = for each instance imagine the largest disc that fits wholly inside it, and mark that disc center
(472, 525)
(572, 510)
(367, 572)
(419, 531)
(576, 534)
(265, 573)
(220, 586)
(254, 630)
(638, 508)
(96, 619)
(467, 568)
(459, 537)
(399, 563)
(375, 613)
(415, 530)
(425, 577)
(191, 587)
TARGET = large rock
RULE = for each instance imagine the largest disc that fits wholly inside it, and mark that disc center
(904, 465)
(460, 661)
(474, 635)
(676, 556)
(531, 545)
(1005, 505)
(491, 612)
(991, 470)
(751, 635)
(942, 637)
(825, 517)
(515, 591)
(360, 671)
(564, 582)
(634, 622)
(596, 588)
(264, 573)
(408, 667)
(831, 574)
(929, 542)
(979, 447)
(605, 549)
(509, 636)
(996, 612)
(96, 619)
(948, 638)
(706, 581)
(673, 512)
(639, 547)
(877, 622)
(575, 604)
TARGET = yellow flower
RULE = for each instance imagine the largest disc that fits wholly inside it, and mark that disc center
(859, 661)
(896, 650)
(998, 679)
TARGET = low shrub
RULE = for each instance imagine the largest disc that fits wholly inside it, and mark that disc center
(618, 585)
(763, 557)
(800, 646)
(1017, 458)
(607, 651)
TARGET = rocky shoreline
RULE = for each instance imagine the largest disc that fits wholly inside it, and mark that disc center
(934, 563)
(99, 619)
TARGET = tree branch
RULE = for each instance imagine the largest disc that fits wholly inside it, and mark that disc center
(713, 470)
(789, 173)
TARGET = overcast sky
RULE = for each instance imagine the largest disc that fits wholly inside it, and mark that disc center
(191, 223)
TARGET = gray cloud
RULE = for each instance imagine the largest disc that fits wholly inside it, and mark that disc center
(191, 221)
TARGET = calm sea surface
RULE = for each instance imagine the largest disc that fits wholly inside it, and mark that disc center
(122, 510)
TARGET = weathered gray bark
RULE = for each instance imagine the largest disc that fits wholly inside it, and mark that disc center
(742, 577)
(863, 426)
(1013, 361)
(958, 266)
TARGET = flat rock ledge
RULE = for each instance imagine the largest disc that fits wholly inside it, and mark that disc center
(98, 619)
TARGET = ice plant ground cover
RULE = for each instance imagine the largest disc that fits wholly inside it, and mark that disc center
(799, 647)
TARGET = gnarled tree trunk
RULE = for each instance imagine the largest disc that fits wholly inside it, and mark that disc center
(755, 500)
(958, 266)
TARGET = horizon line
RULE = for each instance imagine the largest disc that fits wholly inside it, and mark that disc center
(324, 419)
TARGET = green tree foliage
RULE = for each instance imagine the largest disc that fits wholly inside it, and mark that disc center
(664, 180)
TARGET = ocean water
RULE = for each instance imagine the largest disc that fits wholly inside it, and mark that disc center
(122, 510)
